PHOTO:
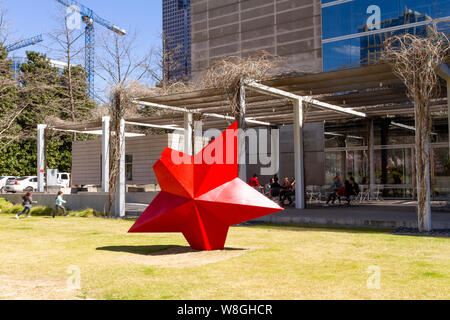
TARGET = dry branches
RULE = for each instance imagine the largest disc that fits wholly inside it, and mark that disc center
(226, 74)
(414, 60)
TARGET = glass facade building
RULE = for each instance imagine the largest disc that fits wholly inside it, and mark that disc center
(353, 31)
(177, 39)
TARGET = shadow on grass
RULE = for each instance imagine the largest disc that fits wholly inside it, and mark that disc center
(156, 250)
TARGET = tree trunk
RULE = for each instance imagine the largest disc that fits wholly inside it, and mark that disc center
(422, 118)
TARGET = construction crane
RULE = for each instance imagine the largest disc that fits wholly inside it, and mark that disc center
(24, 43)
(89, 17)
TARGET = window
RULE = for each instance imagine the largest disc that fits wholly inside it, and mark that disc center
(129, 167)
(354, 31)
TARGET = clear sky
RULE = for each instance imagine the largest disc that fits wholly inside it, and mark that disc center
(27, 18)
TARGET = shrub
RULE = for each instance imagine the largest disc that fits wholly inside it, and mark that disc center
(87, 213)
(4, 204)
(14, 209)
(41, 211)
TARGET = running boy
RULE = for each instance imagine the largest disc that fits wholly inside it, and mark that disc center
(60, 205)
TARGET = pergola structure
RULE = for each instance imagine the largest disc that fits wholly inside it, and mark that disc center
(365, 92)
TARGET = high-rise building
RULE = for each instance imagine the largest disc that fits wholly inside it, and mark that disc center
(176, 40)
(310, 35)
(372, 45)
(290, 29)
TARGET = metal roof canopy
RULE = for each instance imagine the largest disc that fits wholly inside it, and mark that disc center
(374, 91)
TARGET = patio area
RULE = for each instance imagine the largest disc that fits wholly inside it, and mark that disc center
(373, 214)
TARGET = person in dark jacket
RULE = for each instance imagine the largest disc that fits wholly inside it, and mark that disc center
(27, 204)
(275, 188)
(351, 189)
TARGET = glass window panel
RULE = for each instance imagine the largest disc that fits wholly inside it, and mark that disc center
(441, 173)
(394, 166)
(358, 16)
(334, 165)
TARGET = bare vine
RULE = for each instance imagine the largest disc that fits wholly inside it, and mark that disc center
(415, 59)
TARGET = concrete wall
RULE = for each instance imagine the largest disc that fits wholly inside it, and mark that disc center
(288, 28)
(87, 162)
(81, 201)
(86, 159)
(314, 148)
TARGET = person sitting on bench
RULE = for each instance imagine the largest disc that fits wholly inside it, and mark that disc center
(275, 188)
(351, 190)
(337, 184)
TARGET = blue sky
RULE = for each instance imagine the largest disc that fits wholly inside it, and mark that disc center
(31, 17)
(28, 18)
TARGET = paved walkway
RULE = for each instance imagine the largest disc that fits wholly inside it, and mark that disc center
(386, 214)
(394, 214)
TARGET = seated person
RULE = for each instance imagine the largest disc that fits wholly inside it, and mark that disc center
(337, 184)
(287, 191)
(351, 190)
(275, 188)
(254, 183)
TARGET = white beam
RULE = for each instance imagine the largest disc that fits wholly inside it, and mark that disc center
(248, 120)
(188, 132)
(405, 126)
(139, 124)
(331, 107)
(161, 106)
(41, 156)
(284, 94)
(184, 110)
(298, 155)
(121, 183)
(106, 132)
(261, 88)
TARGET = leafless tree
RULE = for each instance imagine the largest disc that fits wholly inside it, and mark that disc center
(8, 90)
(122, 71)
(67, 44)
(4, 32)
(415, 60)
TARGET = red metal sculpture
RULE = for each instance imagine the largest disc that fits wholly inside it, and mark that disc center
(202, 198)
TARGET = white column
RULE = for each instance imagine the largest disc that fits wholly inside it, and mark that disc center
(371, 159)
(106, 124)
(41, 156)
(188, 142)
(448, 112)
(275, 147)
(242, 150)
(121, 183)
(298, 155)
(198, 137)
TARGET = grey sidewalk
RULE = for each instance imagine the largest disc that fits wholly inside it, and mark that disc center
(379, 215)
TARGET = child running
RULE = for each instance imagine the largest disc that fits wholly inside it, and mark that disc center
(27, 204)
(60, 204)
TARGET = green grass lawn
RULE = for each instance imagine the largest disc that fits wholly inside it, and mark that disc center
(262, 262)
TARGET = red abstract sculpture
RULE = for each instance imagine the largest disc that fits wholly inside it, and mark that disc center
(202, 199)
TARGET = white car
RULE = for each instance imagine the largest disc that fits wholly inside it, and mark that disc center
(4, 180)
(24, 184)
